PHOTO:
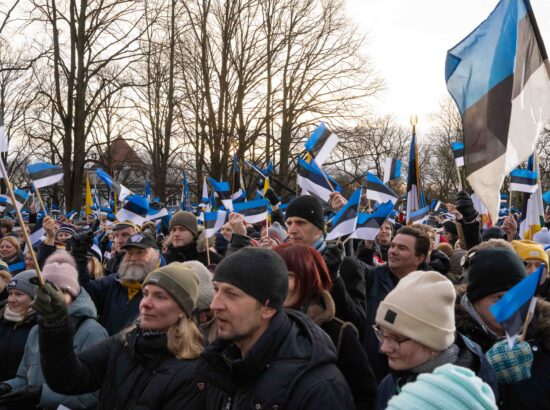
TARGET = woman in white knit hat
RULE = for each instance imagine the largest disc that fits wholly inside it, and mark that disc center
(415, 326)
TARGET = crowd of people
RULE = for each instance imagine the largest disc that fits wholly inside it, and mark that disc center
(270, 315)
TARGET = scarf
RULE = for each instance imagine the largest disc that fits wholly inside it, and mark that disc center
(319, 245)
(467, 305)
(132, 287)
(449, 355)
(11, 316)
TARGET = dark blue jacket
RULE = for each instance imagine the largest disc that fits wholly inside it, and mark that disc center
(292, 366)
(13, 337)
(470, 356)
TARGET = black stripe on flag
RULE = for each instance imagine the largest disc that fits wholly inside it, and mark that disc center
(135, 208)
(373, 186)
(45, 173)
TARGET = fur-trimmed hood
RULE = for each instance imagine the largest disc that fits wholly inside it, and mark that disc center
(323, 310)
(539, 329)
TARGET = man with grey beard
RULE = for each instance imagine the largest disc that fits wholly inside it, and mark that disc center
(117, 297)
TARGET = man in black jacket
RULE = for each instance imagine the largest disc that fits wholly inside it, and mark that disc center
(266, 357)
(184, 233)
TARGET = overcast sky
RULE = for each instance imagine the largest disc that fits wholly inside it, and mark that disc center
(408, 41)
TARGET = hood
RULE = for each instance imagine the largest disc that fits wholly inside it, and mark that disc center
(83, 306)
(323, 310)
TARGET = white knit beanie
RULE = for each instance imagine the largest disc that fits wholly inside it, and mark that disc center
(421, 307)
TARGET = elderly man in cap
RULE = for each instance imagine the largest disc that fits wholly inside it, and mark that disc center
(265, 356)
(122, 231)
(184, 241)
(117, 297)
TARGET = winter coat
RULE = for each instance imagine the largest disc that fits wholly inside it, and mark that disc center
(292, 366)
(88, 332)
(191, 252)
(134, 371)
(111, 265)
(13, 337)
(470, 356)
(352, 360)
(4, 297)
(44, 251)
(366, 255)
(527, 394)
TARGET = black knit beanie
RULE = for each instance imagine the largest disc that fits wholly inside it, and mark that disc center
(493, 270)
(309, 208)
(260, 273)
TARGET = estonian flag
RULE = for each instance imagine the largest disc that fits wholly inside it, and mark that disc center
(135, 210)
(3, 135)
(311, 180)
(523, 180)
(3, 202)
(419, 216)
(239, 194)
(37, 235)
(253, 211)
(21, 197)
(392, 169)
(345, 221)
(368, 225)
(533, 209)
(511, 310)
(415, 193)
(498, 79)
(213, 222)
(154, 214)
(377, 191)
(205, 198)
(115, 186)
(43, 174)
(321, 143)
(458, 153)
(223, 189)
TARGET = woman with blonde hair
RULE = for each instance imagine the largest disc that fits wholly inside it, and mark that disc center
(10, 252)
(150, 365)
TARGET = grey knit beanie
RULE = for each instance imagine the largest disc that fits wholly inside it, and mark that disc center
(21, 282)
(187, 220)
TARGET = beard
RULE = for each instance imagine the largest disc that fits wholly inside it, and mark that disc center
(136, 271)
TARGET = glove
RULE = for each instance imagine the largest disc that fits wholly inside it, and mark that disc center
(333, 256)
(465, 206)
(511, 365)
(80, 244)
(271, 195)
(50, 303)
(24, 398)
(4, 388)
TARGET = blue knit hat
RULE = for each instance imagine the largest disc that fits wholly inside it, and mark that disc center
(448, 387)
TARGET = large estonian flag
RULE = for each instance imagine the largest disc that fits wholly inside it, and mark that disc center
(392, 169)
(253, 211)
(321, 143)
(377, 191)
(533, 209)
(3, 134)
(312, 181)
(415, 193)
(498, 79)
(135, 210)
(458, 153)
(511, 310)
(213, 222)
(115, 186)
(43, 174)
(368, 225)
(345, 221)
(523, 180)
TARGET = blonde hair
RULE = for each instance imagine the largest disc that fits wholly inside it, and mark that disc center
(5, 275)
(185, 340)
(11, 240)
(97, 269)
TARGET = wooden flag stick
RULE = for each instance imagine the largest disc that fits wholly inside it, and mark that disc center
(326, 179)
(207, 249)
(528, 318)
(460, 186)
(40, 199)
(22, 223)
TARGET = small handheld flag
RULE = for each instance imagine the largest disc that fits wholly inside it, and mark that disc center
(523, 180)
(43, 174)
(321, 143)
(116, 187)
(368, 225)
(135, 209)
(377, 191)
(345, 221)
(458, 153)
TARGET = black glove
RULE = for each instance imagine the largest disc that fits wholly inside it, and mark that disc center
(333, 256)
(25, 397)
(271, 195)
(4, 388)
(465, 206)
(80, 244)
(50, 303)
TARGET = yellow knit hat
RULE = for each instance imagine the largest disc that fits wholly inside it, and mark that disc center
(527, 250)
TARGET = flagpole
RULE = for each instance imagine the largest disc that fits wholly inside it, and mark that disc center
(207, 249)
(40, 199)
(460, 186)
(22, 223)
(326, 178)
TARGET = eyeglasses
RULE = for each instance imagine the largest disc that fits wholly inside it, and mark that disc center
(394, 342)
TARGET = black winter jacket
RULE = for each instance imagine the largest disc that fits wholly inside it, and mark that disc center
(292, 366)
(190, 253)
(13, 337)
(528, 394)
(133, 371)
